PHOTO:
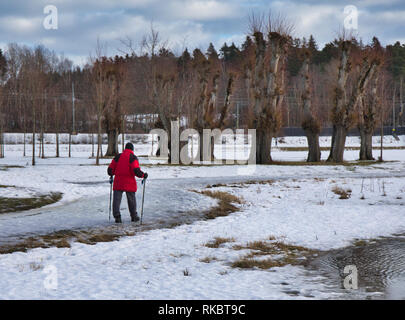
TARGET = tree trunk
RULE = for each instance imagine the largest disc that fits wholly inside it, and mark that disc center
(92, 145)
(70, 144)
(24, 141)
(112, 149)
(57, 144)
(25, 132)
(366, 144)
(40, 145)
(314, 151)
(57, 130)
(338, 144)
(263, 147)
(43, 144)
(33, 136)
(381, 136)
(99, 138)
(1, 141)
(42, 124)
(123, 133)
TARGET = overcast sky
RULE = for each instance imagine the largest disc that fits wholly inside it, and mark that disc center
(185, 23)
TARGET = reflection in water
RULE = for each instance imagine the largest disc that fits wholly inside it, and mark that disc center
(380, 265)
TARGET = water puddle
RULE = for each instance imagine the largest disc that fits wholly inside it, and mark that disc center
(380, 268)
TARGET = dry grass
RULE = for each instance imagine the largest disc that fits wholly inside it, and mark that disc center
(290, 255)
(223, 196)
(6, 167)
(62, 239)
(225, 205)
(344, 194)
(218, 241)
(249, 263)
(240, 184)
(34, 266)
(21, 204)
(360, 243)
(260, 182)
(208, 259)
(218, 185)
(264, 248)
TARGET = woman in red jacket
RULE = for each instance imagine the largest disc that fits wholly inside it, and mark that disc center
(125, 166)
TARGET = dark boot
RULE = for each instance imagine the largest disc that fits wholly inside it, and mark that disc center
(118, 220)
(134, 218)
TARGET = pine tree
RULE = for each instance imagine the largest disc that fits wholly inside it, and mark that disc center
(312, 45)
(397, 61)
(295, 59)
(185, 58)
(247, 44)
(229, 53)
(3, 64)
(211, 52)
(198, 56)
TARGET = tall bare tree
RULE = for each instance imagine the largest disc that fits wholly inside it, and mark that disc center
(345, 101)
(3, 70)
(369, 105)
(310, 123)
(265, 76)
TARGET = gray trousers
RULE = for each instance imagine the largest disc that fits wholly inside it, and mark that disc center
(117, 203)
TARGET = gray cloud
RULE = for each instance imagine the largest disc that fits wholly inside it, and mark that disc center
(192, 23)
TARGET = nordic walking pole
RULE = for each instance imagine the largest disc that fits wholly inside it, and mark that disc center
(109, 210)
(143, 197)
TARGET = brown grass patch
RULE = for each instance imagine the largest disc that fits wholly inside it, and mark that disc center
(34, 266)
(216, 243)
(277, 247)
(62, 239)
(22, 204)
(208, 259)
(225, 205)
(290, 254)
(249, 263)
(344, 194)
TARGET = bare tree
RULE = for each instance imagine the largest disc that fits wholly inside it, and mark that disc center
(98, 82)
(113, 77)
(344, 101)
(369, 105)
(310, 123)
(3, 70)
(210, 73)
(265, 76)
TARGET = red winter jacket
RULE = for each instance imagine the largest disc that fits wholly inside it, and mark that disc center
(125, 167)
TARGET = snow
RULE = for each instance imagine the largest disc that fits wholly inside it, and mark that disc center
(86, 138)
(296, 208)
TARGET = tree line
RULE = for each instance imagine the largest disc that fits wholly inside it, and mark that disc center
(272, 80)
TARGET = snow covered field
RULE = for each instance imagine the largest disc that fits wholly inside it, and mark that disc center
(298, 206)
(84, 138)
